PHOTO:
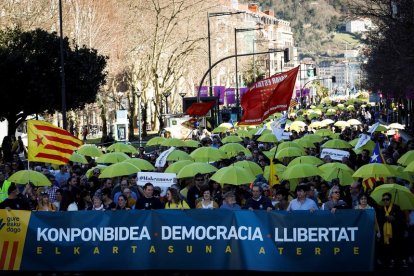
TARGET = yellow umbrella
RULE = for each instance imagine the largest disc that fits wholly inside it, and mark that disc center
(89, 150)
(100, 167)
(226, 125)
(305, 143)
(155, 141)
(289, 144)
(119, 169)
(177, 166)
(121, 147)
(192, 169)
(112, 157)
(280, 168)
(289, 152)
(401, 173)
(307, 159)
(301, 171)
(220, 129)
(396, 126)
(191, 143)
(233, 175)
(327, 122)
(354, 122)
(177, 155)
(410, 167)
(316, 124)
(233, 149)
(342, 124)
(344, 176)
(268, 138)
(249, 165)
(324, 132)
(314, 138)
(143, 164)
(375, 170)
(336, 144)
(401, 195)
(406, 158)
(370, 145)
(26, 176)
(231, 139)
(335, 165)
(207, 154)
(173, 142)
(78, 158)
(243, 133)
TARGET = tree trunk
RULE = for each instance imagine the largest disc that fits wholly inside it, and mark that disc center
(144, 119)
(12, 126)
(104, 123)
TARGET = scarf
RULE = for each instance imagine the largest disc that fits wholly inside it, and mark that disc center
(387, 226)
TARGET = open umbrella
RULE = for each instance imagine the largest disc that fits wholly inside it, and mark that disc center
(314, 138)
(142, 164)
(90, 171)
(26, 176)
(301, 171)
(177, 155)
(401, 195)
(191, 143)
(122, 147)
(280, 169)
(324, 132)
(207, 154)
(336, 144)
(78, 158)
(410, 167)
(231, 139)
(119, 169)
(173, 142)
(112, 157)
(328, 121)
(233, 175)
(243, 133)
(220, 129)
(192, 169)
(177, 166)
(233, 149)
(354, 122)
(249, 165)
(396, 126)
(344, 176)
(155, 141)
(375, 170)
(289, 144)
(342, 124)
(289, 152)
(89, 150)
(335, 165)
(307, 159)
(406, 158)
(305, 143)
(226, 125)
(401, 173)
(268, 138)
(316, 124)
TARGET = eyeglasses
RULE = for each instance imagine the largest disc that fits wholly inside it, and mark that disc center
(385, 199)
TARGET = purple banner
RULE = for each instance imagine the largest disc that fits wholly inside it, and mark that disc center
(219, 92)
(203, 91)
(243, 90)
(230, 96)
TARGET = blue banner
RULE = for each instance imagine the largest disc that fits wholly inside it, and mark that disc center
(194, 240)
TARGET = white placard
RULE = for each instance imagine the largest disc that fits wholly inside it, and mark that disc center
(362, 140)
(335, 154)
(162, 158)
(162, 180)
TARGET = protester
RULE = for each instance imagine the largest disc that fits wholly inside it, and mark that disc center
(229, 201)
(148, 201)
(258, 201)
(174, 201)
(14, 201)
(302, 202)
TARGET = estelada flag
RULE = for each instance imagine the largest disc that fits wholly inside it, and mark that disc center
(50, 144)
(200, 109)
(268, 96)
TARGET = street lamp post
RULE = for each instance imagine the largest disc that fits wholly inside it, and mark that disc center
(182, 94)
(166, 95)
(139, 93)
(214, 14)
(62, 68)
(237, 77)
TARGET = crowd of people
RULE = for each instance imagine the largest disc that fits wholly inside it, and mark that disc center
(73, 190)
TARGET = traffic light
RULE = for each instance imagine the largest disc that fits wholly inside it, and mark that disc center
(286, 55)
(333, 79)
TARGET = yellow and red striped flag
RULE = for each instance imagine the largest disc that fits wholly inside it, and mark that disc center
(50, 144)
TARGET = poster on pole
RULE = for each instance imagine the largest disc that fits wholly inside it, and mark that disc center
(162, 180)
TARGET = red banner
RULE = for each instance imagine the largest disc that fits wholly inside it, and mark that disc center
(200, 109)
(268, 96)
